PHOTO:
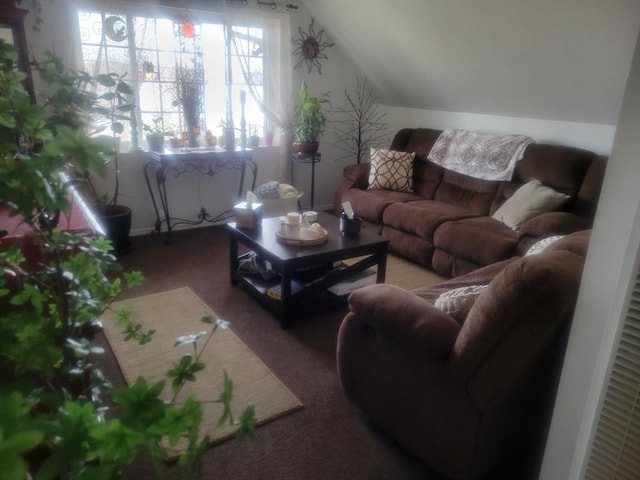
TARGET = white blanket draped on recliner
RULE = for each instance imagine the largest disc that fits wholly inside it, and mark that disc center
(490, 157)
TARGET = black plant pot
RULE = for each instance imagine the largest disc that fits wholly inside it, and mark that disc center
(116, 222)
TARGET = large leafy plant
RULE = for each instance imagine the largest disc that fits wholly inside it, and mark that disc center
(309, 118)
(101, 106)
(60, 416)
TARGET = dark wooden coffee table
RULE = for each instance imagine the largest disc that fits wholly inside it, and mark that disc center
(288, 261)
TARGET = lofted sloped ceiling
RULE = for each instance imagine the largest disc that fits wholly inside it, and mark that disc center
(565, 60)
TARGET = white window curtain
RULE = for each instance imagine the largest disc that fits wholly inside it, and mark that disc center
(276, 105)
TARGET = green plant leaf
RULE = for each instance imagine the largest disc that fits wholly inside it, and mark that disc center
(184, 371)
(247, 423)
(141, 405)
(13, 466)
(226, 396)
(115, 442)
(183, 421)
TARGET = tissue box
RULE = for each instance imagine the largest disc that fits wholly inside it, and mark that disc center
(248, 215)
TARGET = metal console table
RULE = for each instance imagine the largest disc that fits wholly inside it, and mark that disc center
(311, 158)
(206, 162)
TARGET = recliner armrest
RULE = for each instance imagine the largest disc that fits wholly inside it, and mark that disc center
(389, 311)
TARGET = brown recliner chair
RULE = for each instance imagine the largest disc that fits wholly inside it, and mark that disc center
(466, 396)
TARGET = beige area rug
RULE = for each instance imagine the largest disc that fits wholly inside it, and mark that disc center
(409, 275)
(175, 313)
(405, 273)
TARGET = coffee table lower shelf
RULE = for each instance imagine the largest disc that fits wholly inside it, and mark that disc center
(298, 303)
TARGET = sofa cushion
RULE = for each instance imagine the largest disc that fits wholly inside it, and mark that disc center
(414, 247)
(391, 170)
(422, 217)
(531, 199)
(467, 192)
(560, 167)
(480, 240)
(426, 178)
(371, 204)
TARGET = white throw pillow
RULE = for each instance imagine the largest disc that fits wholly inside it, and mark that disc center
(458, 301)
(391, 170)
(531, 199)
(540, 245)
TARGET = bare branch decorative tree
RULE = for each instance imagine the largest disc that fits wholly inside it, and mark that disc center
(359, 126)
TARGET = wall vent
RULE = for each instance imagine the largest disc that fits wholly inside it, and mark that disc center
(615, 453)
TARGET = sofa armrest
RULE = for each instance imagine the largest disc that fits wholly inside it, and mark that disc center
(358, 174)
(554, 223)
(394, 313)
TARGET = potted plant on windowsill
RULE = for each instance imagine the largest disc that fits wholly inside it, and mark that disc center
(309, 120)
(155, 134)
(228, 134)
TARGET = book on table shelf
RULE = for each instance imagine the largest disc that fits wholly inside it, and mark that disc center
(275, 291)
(358, 280)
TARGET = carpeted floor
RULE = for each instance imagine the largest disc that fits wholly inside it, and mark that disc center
(328, 438)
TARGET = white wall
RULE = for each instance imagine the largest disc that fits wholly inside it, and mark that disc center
(610, 267)
(561, 60)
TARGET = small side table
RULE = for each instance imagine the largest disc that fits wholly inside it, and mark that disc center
(311, 158)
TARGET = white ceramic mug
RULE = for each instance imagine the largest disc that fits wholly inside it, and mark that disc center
(293, 218)
(310, 216)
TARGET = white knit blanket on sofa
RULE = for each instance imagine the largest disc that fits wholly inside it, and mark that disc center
(490, 157)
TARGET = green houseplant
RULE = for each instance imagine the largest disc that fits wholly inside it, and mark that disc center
(309, 120)
(110, 110)
(56, 419)
(100, 107)
(155, 134)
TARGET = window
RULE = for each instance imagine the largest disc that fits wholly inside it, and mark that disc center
(226, 63)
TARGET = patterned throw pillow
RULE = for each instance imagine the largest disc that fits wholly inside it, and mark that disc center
(391, 170)
(458, 301)
(541, 245)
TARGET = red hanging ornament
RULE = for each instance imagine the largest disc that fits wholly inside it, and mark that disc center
(187, 29)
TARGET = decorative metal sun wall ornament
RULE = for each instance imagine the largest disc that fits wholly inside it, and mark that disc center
(309, 47)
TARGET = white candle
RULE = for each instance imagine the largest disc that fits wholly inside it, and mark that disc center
(293, 218)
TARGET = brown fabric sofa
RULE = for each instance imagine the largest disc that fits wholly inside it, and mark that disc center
(465, 395)
(445, 223)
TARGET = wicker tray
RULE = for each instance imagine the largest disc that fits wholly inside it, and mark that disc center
(302, 242)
